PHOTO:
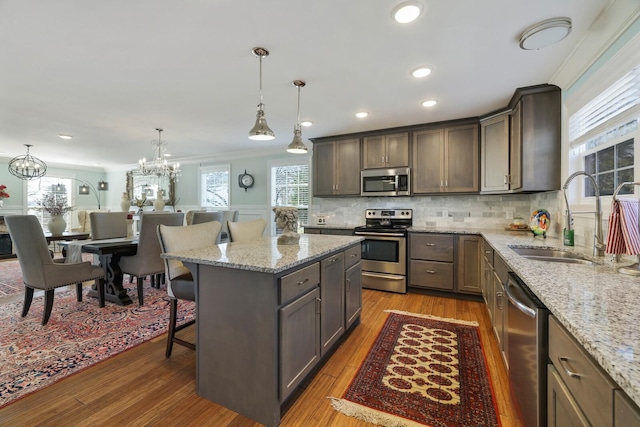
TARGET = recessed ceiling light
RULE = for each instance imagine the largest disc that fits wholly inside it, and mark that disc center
(362, 114)
(167, 154)
(421, 72)
(306, 123)
(407, 11)
(545, 33)
(63, 136)
(429, 103)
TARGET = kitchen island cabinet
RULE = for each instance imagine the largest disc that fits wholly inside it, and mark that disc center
(260, 324)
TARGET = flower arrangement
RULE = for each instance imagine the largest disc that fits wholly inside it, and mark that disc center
(55, 205)
(3, 191)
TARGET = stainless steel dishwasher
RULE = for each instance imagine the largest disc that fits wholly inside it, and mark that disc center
(527, 352)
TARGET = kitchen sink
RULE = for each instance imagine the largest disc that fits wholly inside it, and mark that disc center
(552, 255)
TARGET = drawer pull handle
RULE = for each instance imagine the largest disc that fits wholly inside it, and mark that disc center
(353, 255)
(431, 271)
(302, 282)
(563, 361)
(334, 260)
(430, 244)
(487, 252)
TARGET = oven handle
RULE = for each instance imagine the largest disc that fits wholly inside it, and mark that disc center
(364, 233)
(383, 276)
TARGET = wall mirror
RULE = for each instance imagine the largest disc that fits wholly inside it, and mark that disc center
(146, 187)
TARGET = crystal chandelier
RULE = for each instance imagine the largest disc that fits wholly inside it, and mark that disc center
(159, 165)
(27, 167)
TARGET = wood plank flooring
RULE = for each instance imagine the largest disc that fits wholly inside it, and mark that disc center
(142, 388)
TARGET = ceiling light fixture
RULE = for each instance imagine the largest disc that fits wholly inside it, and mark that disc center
(362, 114)
(159, 166)
(27, 167)
(545, 33)
(297, 145)
(261, 131)
(306, 123)
(407, 11)
(420, 72)
(429, 103)
(63, 136)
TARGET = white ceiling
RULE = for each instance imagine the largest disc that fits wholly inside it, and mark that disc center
(110, 72)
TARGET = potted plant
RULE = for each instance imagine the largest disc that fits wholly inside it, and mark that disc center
(56, 206)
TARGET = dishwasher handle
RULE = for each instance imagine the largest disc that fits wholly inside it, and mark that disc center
(522, 306)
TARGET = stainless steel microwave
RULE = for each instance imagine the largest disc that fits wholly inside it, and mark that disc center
(386, 182)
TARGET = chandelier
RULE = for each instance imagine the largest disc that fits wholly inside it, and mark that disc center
(27, 167)
(159, 165)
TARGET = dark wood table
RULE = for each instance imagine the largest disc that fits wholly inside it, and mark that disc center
(67, 235)
(109, 254)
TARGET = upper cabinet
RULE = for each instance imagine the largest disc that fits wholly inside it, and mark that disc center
(385, 151)
(445, 160)
(520, 147)
(336, 167)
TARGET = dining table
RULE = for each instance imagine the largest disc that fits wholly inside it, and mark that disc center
(108, 252)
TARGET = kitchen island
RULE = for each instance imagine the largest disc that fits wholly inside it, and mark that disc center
(267, 314)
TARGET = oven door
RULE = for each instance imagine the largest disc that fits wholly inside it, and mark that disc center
(384, 253)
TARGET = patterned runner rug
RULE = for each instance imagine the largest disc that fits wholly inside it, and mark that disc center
(423, 370)
(78, 335)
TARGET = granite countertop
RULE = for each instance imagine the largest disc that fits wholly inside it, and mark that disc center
(264, 254)
(598, 305)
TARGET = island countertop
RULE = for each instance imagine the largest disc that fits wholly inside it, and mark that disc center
(265, 254)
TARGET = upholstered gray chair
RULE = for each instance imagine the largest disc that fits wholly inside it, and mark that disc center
(189, 216)
(227, 216)
(38, 269)
(180, 283)
(108, 225)
(147, 261)
(200, 217)
(246, 230)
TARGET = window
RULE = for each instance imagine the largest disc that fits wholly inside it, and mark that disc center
(610, 166)
(214, 186)
(290, 186)
(52, 185)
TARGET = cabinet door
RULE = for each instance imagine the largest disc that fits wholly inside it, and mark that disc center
(323, 173)
(461, 159)
(332, 301)
(353, 293)
(299, 341)
(562, 409)
(626, 413)
(428, 155)
(498, 310)
(495, 153)
(469, 265)
(488, 298)
(397, 150)
(515, 147)
(348, 167)
(374, 152)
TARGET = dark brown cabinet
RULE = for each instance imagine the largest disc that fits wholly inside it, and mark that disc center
(332, 296)
(336, 167)
(469, 264)
(385, 151)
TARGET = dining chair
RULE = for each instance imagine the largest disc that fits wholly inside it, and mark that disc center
(227, 216)
(108, 225)
(246, 230)
(147, 261)
(180, 284)
(189, 216)
(39, 271)
(201, 217)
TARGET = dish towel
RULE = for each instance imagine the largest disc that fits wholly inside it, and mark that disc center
(623, 236)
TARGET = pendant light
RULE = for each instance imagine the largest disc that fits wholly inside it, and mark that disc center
(27, 167)
(297, 145)
(261, 131)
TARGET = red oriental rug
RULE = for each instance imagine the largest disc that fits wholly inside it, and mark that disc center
(423, 370)
(78, 335)
(10, 278)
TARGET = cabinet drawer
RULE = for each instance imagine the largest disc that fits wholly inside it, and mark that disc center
(432, 247)
(429, 274)
(590, 386)
(299, 282)
(352, 256)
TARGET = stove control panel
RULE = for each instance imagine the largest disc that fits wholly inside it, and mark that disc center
(389, 214)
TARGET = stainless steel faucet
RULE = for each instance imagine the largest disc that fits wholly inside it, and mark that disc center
(598, 242)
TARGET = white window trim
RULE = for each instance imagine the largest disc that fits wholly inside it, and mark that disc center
(213, 168)
(289, 161)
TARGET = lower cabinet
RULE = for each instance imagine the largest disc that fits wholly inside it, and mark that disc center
(445, 262)
(352, 285)
(332, 297)
(562, 409)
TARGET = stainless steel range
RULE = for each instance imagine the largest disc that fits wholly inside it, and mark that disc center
(384, 249)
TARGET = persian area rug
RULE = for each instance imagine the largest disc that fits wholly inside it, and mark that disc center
(423, 370)
(78, 335)
(10, 278)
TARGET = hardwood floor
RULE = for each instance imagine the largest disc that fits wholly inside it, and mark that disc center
(141, 387)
